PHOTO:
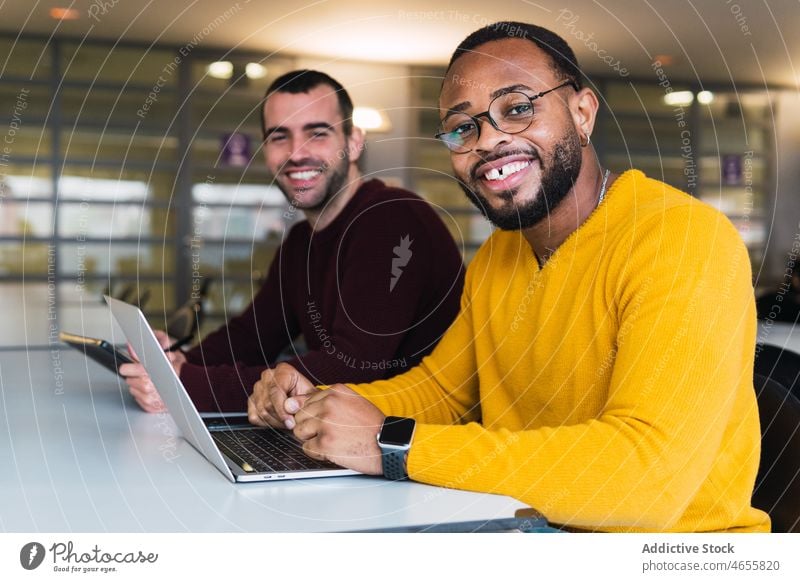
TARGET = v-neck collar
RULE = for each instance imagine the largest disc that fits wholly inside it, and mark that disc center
(594, 221)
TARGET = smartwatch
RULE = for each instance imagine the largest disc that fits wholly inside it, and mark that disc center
(394, 441)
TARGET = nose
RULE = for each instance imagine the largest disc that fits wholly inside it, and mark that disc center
(298, 149)
(489, 137)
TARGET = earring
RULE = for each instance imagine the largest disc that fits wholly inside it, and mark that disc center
(588, 140)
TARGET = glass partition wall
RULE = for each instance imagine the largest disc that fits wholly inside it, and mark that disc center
(138, 170)
(119, 174)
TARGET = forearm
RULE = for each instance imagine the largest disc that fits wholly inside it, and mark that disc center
(423, 394)
(258, 334)
(443, 388)
(601, 474)
(237, 341)
(223, 388)
(322, 367)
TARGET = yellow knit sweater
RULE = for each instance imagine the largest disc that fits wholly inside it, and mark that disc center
(611, 389)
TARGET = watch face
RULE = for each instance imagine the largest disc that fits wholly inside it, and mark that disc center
(397, 431)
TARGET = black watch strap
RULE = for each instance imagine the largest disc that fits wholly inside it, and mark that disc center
(394, 440)
(394, 464)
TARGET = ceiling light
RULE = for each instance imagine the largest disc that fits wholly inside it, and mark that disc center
(64, 14)
(679, 98)
(220, 70)
(255, 71)
(664, 60)
(369, 118)
(705, 97)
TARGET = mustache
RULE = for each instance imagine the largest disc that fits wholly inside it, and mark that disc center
(304, 162)
(498, 155)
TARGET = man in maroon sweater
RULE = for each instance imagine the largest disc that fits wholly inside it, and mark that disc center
(371, 279)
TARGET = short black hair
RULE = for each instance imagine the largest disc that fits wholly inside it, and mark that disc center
(563, 58)
(303, 81)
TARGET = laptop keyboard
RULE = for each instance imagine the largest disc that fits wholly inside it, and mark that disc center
(265, 451)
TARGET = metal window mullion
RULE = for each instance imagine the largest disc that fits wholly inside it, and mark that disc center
(57, 161)
(184, 205)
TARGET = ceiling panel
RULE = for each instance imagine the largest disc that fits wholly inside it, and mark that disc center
(752, 41)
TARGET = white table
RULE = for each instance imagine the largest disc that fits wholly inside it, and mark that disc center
(78, 455)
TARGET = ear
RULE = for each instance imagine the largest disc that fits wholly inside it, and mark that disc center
(355, 144)
(583, 107)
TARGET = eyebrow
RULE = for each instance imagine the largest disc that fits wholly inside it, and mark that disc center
(509, 89)
(306, 127)
(317, 125)
(494, 95)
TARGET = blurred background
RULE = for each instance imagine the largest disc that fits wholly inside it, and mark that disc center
(130, 156)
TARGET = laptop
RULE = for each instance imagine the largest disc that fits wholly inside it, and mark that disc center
(242, 452)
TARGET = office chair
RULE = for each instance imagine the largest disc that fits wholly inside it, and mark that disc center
(780, 365)
(143, 298)
(185, 321)
(777, 489)
(126, 293)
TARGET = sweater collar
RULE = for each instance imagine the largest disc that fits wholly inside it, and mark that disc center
(598, 219)
(344, 218)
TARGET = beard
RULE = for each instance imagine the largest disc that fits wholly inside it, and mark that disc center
(559, 174)
(334, 181)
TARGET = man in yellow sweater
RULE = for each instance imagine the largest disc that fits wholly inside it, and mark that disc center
(600, 369)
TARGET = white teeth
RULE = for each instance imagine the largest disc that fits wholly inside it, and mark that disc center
(307, 175)
(505, 171)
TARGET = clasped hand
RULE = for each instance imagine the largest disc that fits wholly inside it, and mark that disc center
(335, 424)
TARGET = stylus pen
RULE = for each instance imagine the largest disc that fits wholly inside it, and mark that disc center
(179, 344)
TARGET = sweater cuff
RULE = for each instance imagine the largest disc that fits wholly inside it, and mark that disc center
(428, 457)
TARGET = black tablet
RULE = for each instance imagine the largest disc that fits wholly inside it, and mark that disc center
(99, 350)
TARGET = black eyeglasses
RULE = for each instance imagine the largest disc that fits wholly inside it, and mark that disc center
(510, 112)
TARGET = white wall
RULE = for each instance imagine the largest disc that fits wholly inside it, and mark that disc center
(786, 217)
(385, 87)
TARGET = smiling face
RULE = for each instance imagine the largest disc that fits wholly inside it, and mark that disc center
(515, 180)
(305, 148)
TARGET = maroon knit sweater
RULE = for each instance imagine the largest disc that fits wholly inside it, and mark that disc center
(371, 293)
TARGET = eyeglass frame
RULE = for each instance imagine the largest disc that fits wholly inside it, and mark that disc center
(476, 118)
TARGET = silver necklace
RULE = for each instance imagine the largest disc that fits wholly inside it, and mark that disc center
(603, 188)
(600, 198)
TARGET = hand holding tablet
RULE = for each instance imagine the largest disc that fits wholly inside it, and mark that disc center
(99, 350)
